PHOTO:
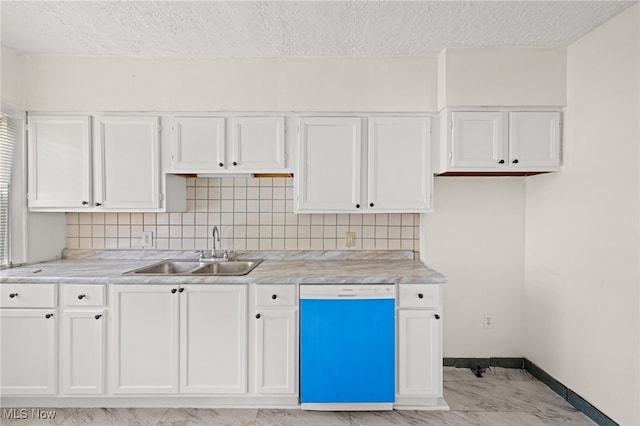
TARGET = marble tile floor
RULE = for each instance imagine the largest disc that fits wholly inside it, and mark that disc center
(503, 396)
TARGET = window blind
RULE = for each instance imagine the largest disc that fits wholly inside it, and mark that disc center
(7, 142)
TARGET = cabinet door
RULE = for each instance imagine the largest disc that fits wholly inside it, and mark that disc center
(477, 140)
(213, 339)
(276, 348)
(258, 143)
(83, 345)
(145, 339)
(59, 152)
(419, 359)
(329, 165)
(127, 163)
(199, 144)
(29, 346)
(399, 165)
(534, 140)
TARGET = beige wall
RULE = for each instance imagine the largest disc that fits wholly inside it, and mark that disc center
(502, 77)
(11, 78)
(126, 84)
(582, 282)
(475, 237)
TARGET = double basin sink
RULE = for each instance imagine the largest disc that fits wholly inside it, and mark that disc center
(196, 268)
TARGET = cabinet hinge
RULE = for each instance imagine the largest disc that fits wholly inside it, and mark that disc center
(161, 197)
(160, 128)
(451, 124)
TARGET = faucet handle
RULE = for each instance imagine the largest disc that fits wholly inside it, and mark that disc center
(225, 256)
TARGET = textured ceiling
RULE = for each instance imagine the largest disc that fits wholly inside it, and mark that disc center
(292, 28)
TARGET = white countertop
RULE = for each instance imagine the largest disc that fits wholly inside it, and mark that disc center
(330, 267)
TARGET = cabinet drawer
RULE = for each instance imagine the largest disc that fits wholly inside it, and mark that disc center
(27, 296)
(419, 296)
(82, 295)
(276, 295)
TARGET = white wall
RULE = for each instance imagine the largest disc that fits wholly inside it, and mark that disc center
(502, 77)
(11, 78)
(582, 230)
(475, 237)
(126, 84)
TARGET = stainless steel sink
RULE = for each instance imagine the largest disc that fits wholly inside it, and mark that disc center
(168, 267)
(239, 267)
(191, 267)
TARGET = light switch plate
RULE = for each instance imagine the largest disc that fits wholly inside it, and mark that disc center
(147, 239)
(351, 239)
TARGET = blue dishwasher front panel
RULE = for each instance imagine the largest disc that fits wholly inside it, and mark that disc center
(347, 351)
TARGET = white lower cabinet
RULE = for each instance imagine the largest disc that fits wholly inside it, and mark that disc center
(213, 339)
(28, 339)
(83, 339)
(419, 363)
(83, 351)
(145, 339)
(419, 368)
(275, 327)
(194, 332)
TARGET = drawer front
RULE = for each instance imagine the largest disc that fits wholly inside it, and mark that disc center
(83, 295)
(276, 295)
(419, 296)
(28, 296)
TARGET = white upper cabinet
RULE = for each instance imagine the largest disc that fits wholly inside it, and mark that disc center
(499, 141)
(329, 164)
(477, 139)
(250, 145)
(399, 172)
(59, 161)
(258, 143)
(389, 173)
(534, 140)
(127, 163)
(199, 144)
(99, 163)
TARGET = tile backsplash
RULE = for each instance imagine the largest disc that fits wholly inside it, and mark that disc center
(251, 214)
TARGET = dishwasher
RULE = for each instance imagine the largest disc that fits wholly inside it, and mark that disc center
(347, 346)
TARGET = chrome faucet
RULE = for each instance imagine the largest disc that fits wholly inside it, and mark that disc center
(215, 236)
(214, 254)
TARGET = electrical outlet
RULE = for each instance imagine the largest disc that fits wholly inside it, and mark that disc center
(488, 321)
(147, 239)
(351, 239)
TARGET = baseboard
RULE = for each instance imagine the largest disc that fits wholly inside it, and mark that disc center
(578, 402)
(484, 362)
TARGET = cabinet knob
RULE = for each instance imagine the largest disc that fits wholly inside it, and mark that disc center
(84, 203)
(258, 316)
(48, 316)
(436, 316)
(357, 206)
(274, 296)
(12, 295)
(173, 290)
(81, 296)
(420, 295)
(235, 163)
(221, 164)
(501, 162)
(98, 204)
(98, 316)
(370, 204)
(181, 290)
(515, 161)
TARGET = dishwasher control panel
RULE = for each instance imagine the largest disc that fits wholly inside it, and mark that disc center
(347, 291)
